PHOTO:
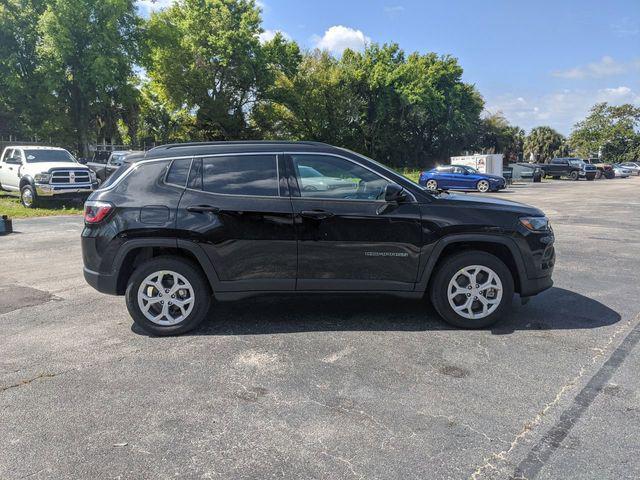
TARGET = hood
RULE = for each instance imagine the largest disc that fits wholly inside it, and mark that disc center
(477, 201)
(47, 166)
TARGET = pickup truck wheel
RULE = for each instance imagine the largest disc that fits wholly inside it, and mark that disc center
(574, 175)
(28, 196)
(167, 296)
(472, 289)
(482, 186)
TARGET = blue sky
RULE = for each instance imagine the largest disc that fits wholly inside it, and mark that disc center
(539, 62)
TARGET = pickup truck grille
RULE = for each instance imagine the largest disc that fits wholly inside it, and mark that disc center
(70, 176)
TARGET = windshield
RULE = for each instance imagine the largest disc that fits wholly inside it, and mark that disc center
(38, 156)
(116, 159)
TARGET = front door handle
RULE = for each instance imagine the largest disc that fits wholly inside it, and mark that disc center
(203, 209)
(316, 214)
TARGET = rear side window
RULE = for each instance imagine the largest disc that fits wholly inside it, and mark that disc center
(178, 172)
(241, 175)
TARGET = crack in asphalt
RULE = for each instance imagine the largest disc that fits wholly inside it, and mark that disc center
(532, 464)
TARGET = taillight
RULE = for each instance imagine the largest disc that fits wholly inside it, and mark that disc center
(95, 212)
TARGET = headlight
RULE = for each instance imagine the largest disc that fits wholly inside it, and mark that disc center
(42, 177)
(535, 224)
(92, 175)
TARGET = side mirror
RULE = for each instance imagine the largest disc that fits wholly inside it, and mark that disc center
(394, 193)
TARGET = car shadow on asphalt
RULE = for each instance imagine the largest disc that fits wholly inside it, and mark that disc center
(555, 309)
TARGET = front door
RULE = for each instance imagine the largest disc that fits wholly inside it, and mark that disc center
(236, 209)
(9, 172)
(349, 238)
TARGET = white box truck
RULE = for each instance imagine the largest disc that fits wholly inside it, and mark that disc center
(489, 163)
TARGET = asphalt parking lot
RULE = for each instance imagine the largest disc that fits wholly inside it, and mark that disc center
(321, 387)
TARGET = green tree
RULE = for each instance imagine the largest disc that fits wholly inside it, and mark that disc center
(405, 111)
(544, 143)
(87, 51)
(158, 123)
(205, 55)
(612, 131)
(27, 108)
(496, 135)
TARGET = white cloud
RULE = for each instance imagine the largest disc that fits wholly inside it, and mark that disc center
(605, 67)
(560, 110)
(338, 38)
(268, 35)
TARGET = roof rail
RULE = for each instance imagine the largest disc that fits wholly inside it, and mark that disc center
(237, 142)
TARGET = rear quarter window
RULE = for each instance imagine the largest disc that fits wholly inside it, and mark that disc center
(178, 172)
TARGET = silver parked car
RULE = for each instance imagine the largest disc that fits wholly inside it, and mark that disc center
(633, 166)
(620, 171)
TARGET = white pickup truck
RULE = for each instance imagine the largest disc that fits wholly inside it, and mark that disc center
(36, 172)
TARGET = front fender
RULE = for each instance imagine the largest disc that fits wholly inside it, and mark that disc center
(448, 240)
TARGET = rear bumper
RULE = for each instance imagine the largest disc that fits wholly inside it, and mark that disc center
(103, 283)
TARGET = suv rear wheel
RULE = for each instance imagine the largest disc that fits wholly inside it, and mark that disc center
(472, 289)
(574, 175)
(167, 296)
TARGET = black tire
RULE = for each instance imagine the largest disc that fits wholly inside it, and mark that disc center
(28, 197)
(446, 271)
(188, 270)
(574, 175)
(591, 177)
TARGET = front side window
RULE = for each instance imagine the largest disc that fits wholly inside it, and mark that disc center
(325, 176)
(255, 175)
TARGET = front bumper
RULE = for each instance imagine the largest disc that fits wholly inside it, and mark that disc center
(50, 190)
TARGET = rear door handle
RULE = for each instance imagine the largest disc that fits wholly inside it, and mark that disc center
(203, 209)
(316, 214)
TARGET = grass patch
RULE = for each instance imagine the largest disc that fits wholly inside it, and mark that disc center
(11, 206)
(411, 174)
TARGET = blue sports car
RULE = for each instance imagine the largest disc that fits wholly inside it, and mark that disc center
(461, 177)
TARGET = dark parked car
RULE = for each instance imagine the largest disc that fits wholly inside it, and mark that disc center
(234, 219)
(574, 168)
(104, 165)
(461, 177)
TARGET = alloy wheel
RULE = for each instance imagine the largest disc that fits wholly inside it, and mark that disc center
(166, 298)
(432, 185)
(483, 186)
(475, 292)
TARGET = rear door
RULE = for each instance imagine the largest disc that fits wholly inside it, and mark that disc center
(349, 237)
(236, 209)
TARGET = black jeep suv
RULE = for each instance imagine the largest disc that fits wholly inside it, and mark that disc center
(233, 219)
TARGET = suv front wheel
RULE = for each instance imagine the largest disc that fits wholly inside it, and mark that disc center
(472, 289)
(167, 296)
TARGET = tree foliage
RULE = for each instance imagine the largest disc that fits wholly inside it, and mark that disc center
(544, 143)
(496, 135)
(610, 131)
(87, 50)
